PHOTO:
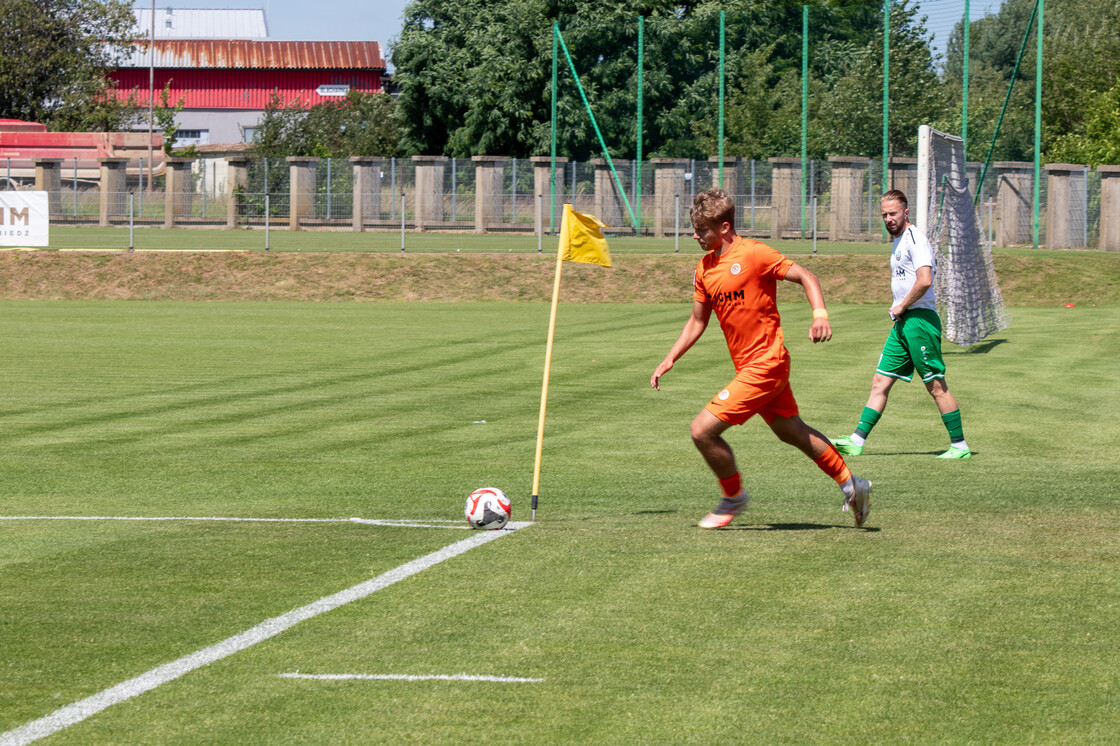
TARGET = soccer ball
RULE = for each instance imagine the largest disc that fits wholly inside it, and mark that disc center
(487, 508)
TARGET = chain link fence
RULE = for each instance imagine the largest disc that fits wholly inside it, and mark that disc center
(430, 201)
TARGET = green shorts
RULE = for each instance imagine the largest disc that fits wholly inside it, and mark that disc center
(914, 343)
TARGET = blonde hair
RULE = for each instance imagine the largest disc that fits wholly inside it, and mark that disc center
(711, 208)
(896, 195)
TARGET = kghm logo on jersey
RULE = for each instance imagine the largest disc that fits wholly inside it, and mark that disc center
(727, 297)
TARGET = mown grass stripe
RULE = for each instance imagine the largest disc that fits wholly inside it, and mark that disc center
(435, 523)
(407, 677)
(82, 709)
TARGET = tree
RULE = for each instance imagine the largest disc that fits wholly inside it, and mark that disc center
(475, 75)
(1081, 71)
(164, 117)
(1098, 140)
(359, 124)
(54, 59)
(851, 111)
(986, 96)
(1081, 64)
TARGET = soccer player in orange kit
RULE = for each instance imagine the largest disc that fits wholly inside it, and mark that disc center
(737, 278)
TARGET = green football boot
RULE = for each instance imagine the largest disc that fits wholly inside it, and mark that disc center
(846, 446)
(954, 452)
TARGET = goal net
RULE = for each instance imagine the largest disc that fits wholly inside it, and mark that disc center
(968, 296)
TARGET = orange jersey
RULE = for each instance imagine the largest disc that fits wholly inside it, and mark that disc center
(742, 287)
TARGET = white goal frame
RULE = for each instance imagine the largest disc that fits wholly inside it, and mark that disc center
(921, 199)
(968, 296)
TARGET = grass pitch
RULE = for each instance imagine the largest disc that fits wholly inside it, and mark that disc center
(979, 605)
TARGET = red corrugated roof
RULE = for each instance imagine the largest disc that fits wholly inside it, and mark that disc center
(243, 89)
(259, 55)
(18, 125)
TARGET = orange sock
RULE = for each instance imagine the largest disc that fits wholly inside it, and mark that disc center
(832, 464)
(732, 485)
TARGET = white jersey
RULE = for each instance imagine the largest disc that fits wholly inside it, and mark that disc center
(910, 251)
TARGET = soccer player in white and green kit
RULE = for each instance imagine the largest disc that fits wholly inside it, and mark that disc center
(914, 343)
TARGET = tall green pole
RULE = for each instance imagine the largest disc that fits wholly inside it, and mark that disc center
(638, 175)
(964, 86)
(1038, 120)
(552, 169)
(598, 132)
(886, 96)
(1006, 100)
(719, 135)
(804, 113)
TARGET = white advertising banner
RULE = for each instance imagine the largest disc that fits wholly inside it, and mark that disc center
(24, 219)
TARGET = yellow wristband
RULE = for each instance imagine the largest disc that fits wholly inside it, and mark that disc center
(820, 313)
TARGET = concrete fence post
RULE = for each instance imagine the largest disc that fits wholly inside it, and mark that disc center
(237, 179)
(1060, 222)
(112, 189)
(367, 190)
(609, 206)
(542, 167)
(730, 176)
(846, 207)
(1013, 202)
(1110, 207)
(301, 190)
(668, 185)
(178, 184)
(785, 196)
(48, 178)
(430, 173)
(903, 176)
(489, 173)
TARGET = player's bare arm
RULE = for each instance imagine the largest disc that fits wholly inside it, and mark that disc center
(921, 285)
(693, 329)
(820, 330)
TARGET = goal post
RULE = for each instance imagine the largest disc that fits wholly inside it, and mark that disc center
(921, 199)
(968, 296)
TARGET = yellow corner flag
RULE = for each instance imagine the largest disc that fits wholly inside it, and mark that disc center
(581, 240)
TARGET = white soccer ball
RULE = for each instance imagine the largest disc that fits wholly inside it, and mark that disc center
(487, 508)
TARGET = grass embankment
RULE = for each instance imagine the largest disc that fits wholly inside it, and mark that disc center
(1027, 278)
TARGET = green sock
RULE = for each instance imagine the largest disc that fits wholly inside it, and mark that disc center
(952, 422)
(867, 420)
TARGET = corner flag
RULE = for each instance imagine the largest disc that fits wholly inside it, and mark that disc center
(580, 241)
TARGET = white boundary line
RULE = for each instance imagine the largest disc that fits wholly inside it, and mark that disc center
(369, 521)
(82, 709)
(404, 677)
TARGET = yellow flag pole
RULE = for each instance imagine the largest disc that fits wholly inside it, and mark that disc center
(547, 368)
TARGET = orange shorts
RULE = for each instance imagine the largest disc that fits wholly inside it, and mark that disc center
(764, 392)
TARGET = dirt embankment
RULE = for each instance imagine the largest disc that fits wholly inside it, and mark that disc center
(1047, 279)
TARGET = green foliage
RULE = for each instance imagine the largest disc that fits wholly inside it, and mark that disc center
(1082, 66)
(54, 56)
(1081, 63)
(851, 114)
(994, 44)
(164, 117)
(475, 77)
(359, 124)
(1098, 140)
